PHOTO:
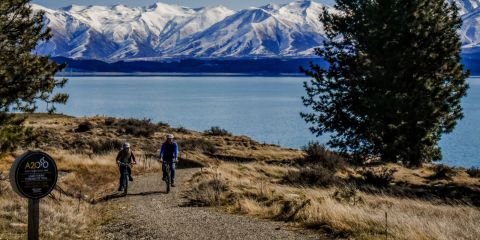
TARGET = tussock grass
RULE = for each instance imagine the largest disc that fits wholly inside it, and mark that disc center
(67, 213)
(379, 177)
(442, 171)
(474, 172)
(312, 176)
(198, 144)
(62, 217)
(217, 131)
(255, 187)
(249, 191)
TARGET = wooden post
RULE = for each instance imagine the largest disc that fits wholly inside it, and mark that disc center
(33, 218)
(386, 226)
(79, 199)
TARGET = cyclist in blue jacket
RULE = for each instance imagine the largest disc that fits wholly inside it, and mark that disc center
(169, 153)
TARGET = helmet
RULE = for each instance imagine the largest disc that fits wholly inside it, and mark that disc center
(126, 145)
(169, 136)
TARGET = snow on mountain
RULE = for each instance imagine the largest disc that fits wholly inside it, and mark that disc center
(177, 31)
(119, 32)
(272, 30)
(470, 32)
(466, 6)
(161, 30)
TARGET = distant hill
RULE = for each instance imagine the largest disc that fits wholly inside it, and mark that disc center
(266, 66)
(263, 66)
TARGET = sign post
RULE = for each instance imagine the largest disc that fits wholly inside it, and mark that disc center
(33, 218)
(33, 175)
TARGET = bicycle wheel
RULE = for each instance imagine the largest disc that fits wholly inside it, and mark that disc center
(125, 181)
(167, 175)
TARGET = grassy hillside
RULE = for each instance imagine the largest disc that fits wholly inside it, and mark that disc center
(318, 190)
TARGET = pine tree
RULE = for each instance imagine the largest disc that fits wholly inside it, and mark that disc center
(394, 81)
(25, 78)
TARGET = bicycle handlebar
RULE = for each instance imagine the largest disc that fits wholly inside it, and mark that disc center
(124, 164)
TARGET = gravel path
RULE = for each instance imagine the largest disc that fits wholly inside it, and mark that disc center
(148, 213)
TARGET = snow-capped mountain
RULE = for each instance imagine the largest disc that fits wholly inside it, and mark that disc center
(470, 31)
(273, 30)
(162, 30)
(466, 6)
(119, 32)
(159, 31)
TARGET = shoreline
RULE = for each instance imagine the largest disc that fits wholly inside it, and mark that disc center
(182, 74)
(461, 167)
(175, 74)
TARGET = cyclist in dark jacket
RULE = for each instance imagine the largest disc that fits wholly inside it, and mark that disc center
(169, 153)
(125, 156)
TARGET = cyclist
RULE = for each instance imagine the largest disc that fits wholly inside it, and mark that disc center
(169, 153)
(125, 156)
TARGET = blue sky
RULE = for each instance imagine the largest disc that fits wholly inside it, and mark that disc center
(233, 4)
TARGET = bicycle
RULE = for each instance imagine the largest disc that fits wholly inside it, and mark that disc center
(124, 180)
(166, 169)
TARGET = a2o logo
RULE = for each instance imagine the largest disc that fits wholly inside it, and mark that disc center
(36, 165)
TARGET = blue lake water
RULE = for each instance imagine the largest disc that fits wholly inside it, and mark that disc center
(264, 108)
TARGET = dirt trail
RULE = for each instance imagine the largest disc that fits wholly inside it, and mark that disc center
(148, 213)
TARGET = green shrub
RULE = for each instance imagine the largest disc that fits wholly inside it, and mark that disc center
(474, 172)
(378, 177)
(442, 171)
(318, 154)
(347, 193)
(110, 121)
(13, 133)
(209, 193)
(182, 130)
(199, 145)
(163, 125)
(312, 176)
(136, 127)
(105, 146)
(84, 127)
(217, 131)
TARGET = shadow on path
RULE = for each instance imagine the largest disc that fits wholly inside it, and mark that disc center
(121, 194)
(147, 193)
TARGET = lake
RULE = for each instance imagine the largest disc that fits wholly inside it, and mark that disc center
(264, 108)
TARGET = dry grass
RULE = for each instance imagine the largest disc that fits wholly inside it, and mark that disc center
(87, 170)
(258, 193)
(244, 177)
(62, 217)
(67, 213)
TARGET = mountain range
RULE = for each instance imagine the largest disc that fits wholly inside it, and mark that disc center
(163, 31)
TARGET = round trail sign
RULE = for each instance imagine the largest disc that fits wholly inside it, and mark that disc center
(33, 175)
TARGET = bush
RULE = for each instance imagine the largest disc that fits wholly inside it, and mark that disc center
(441, 171)
(105, 146)
(319, 154)
(217, 131)
(84, 127)
(379, 177)
(209, 193)
(3, 182)
(136, 127)
(182, 130)
(312, 176)
(163, 125)
(347, 193)
(13, 133)
(474, 172)
(199, 145)
(110, 121)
